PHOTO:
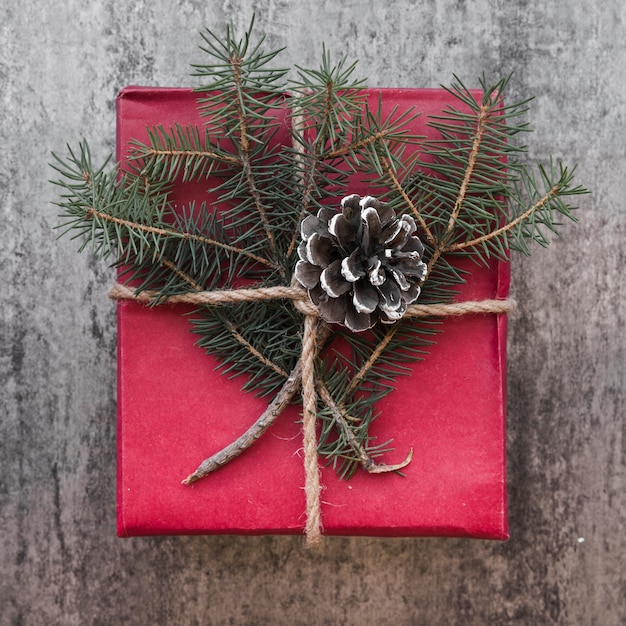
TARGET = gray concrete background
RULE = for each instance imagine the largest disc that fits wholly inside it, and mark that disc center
(61, 64)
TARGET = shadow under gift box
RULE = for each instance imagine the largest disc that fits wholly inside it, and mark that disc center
(175, 409)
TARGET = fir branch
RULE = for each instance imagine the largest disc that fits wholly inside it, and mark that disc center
(245, 151)
(306, 179)
(181, 274)
(93, 214)
(343, 420)
(551, 201)
(253, 351)
(255, 61)
(241, 92)
(331, 99)
(148, 151)
(260, 208)
(483, 116)
(326, 103)
(374, 356)
(395, 184)
(180, 149)
(552, 193)
(256, 350)
(439, 247)
(357, 145)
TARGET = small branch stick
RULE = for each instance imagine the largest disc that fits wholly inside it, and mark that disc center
(267, 418)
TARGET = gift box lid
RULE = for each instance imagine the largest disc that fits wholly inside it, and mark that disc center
(175, 409)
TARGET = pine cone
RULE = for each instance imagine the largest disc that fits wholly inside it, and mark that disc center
(361, 265)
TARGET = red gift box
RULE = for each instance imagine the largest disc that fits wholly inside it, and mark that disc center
(175, 409)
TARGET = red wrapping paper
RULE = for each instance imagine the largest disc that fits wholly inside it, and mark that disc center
(175, 409)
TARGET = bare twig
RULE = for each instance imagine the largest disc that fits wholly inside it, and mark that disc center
(267, 418)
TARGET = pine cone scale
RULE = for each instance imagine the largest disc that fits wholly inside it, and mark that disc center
(332, 281)
(340, 227)
(319, 250)
(308, 274)
(352, 267)
(366, 297)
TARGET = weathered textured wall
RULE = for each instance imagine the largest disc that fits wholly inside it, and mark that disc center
(61, 64)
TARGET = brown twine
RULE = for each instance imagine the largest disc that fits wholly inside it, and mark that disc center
(210, 298)
(302, 303)
(313, 529)
(312, 487)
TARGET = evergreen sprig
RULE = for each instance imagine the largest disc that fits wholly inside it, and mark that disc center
(468, 190)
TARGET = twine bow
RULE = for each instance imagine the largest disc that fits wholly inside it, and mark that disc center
(303, 374)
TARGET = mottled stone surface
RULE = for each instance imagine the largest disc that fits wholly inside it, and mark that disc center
(61, 64)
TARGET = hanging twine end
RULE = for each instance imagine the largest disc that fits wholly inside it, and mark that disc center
(313, 539)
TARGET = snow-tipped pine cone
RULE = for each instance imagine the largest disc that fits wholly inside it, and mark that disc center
(360, 265)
